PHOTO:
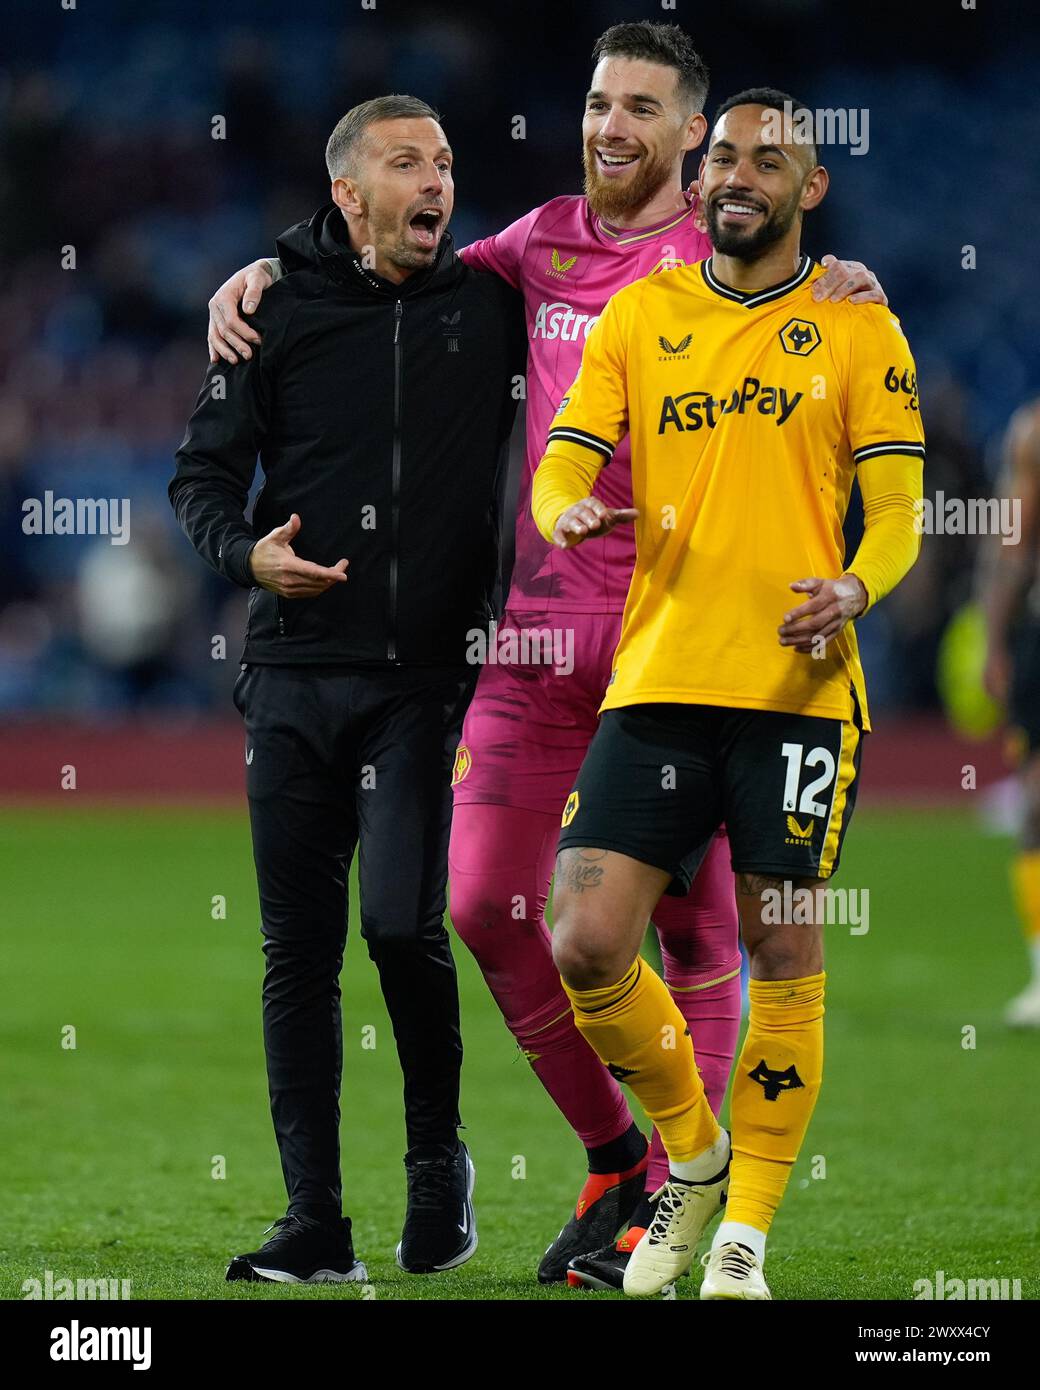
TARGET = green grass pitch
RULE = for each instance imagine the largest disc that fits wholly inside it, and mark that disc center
(108, 1149)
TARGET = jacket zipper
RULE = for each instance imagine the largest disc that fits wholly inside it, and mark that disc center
(395, 486)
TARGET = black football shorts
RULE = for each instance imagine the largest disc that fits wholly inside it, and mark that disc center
(659, 779)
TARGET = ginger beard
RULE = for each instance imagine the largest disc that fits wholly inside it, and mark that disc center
(612, 197)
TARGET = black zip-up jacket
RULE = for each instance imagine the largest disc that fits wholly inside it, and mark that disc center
(380, 414)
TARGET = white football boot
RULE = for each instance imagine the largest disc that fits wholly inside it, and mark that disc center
(1024, 1009)
(733, 1271)
(666, 1252)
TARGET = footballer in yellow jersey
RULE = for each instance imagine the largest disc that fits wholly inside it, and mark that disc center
(737, 693)
(748, 416)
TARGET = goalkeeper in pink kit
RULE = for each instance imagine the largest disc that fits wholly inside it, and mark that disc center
(531, 721)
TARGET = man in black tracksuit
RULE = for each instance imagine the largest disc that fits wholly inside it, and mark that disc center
(379, 402)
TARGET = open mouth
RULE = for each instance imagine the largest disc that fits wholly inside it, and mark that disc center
(426, 225)
(612, 164)
(739, 212)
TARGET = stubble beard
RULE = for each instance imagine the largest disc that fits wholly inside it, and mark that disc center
(390, 245)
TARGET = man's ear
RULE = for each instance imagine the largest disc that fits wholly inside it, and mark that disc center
(347, 197)
(700, 168)
(815, 190)
(696, 130)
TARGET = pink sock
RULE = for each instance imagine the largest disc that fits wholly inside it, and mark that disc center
(700, 949)
(500, 863)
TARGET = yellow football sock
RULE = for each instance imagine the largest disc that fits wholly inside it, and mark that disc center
(1025, 875)
(775, 1085)
(635, 1028)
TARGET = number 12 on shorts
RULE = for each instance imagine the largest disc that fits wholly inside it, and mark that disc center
(796, 759)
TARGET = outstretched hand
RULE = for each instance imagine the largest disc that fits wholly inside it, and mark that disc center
(277, 567)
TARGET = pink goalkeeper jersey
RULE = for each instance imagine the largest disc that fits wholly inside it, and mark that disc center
(568, 262)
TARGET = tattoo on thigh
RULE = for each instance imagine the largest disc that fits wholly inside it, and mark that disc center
(754, 885)
(581, 869)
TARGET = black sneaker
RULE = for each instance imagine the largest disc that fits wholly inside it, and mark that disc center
(605, 1269)
(440, 1225)
(302, 1251)
(605, 1204)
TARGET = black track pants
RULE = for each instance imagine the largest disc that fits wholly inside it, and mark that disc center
(339, 759)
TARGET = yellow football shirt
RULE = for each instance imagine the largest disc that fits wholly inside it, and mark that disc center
(748, 416)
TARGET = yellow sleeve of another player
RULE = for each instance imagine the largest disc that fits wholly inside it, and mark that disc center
(883, 421)
(591, 419)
